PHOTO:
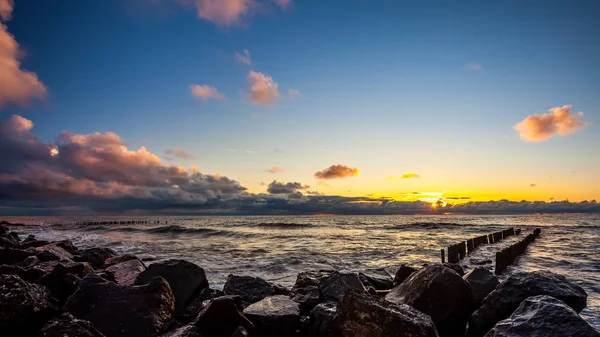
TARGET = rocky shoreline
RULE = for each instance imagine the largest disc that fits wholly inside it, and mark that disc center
(54, 289)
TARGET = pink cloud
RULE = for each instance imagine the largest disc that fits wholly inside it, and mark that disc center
(558, 121)
(233, 12)
(275, 169)
(263, 90)
(474, 66)
(205, 92)
(6, 8)
(337, 171)
(244, 58)
(293, 93)
(179, 153)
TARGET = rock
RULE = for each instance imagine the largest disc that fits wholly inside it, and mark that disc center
(126, 272)
(52, 251)
(479, 262)
(379, 279)
(456, 267)
(508, 295)
(8, 241)
(31, 261)
(123, 311)
(24, 307)
(363, 315)
(440, 293)
(3, 229)
(68, 326)
(185, 278)
(64, 279)
(184, 331)
(13, 256)
(335, 286)
(403, 273)
(197, 304)
(32, 242)
(322, 321)
(543, 316)
(240, 332)
(96, 256)
(250, 289)
(306, 290)
(221, 318)
(119, 258)
(482, 282)
(274, 316)
(281, 290)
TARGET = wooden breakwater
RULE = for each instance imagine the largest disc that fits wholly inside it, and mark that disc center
(508, 255)
(121, 222)
(458, 251)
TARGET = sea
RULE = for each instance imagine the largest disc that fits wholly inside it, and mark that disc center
(277, 248)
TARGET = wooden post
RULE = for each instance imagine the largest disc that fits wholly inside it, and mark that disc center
(443, 252)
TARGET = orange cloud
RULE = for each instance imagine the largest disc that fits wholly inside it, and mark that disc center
(179, 153)
(205, 92)
(275, 169)
(19, 86)
(559, 121)
(233, 12)
(337, 171)
(409, 175)
(244, 58)
(263, 91)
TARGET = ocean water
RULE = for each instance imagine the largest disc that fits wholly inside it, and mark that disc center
(277, 248)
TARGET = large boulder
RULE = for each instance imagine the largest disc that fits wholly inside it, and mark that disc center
(12, 256)
(24, 307)
(184, 331)
(274, 316)
(306, 290)
(123, 311)
(185, 278)
(379, 279)
(321, 321)
(96, 256)
(402, 274)
(221, 318)
(360, 314)
(439, 292)
(508, 295)
(250, 289)
(118, 259)
(335, 286)
(482, 282)
(53, 251)
(543, 316)
(126, 272)
(68, 326)
(64, 279)
(198, 303)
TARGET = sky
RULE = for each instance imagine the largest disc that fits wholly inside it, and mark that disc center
(262, 106)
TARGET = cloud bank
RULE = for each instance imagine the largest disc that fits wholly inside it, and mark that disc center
(263, 89)
(557, 122)
(336, 172)
(276, 187)
(205, 92)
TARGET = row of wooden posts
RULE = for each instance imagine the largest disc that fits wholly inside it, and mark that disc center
(128, 222)
(458, 251)
(508, 255)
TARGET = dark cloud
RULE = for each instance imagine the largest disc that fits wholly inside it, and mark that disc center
(532, 185)
(277, 187)
(337, 171)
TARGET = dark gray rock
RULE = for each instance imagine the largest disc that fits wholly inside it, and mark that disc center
(24, 307)
(96, 256)
(507, 296)
(440, 293)
(456, 267)
(363, 315)
(335, 286)
(321, 321)
(119, 259)
(126, 272)
(402, 274)
(482, 282)
(52, 251)
(379, 279)
(274, 316)
(184, 331)
(68, 326)
(250, 289)
(185, 278)
(306, 290)
(10, 256)
(197, 304)
(221, 318)
(240, 332)
(543, 316)
(30, 261)
(123, 311)
(64, 279)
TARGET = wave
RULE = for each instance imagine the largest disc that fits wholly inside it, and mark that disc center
(173, 229)
(282, 225)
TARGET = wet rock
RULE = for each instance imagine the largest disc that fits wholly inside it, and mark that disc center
(96, 256)
(508, 295)
(197, 304)
(185, 278)
(335, 286)
(281, 290)
(480, 262)
(221, 318)
(119, 259)
(68, 326)
(456, 267)
(363, 315)
(12, 256)
(30, 261)
(8, 241)
(126, 272)
(274, 316)
(240, 332)
(306, 290)
(52, 251)
(543, 316)
(3, 229)
(379, 279)
(440, 293)
(64, 279)
(123, 311)
(322, 321)
(24, 307)
(403, 273)
(250, 289)
(482, 282)
(184, 331)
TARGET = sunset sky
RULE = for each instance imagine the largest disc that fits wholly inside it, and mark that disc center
(199, 104)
